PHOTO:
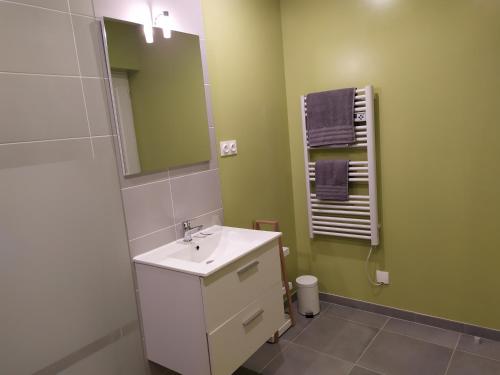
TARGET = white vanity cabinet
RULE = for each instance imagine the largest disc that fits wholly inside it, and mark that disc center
(210, 325)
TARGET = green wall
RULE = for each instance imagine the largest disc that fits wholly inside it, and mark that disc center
(435, 68)
(245, 61)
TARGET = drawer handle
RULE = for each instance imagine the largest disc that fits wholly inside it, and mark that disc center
(252, 317)
(247, 267)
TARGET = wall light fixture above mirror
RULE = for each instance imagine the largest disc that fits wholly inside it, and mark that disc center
(158, 95)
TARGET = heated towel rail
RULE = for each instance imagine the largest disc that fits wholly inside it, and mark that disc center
(358, 216)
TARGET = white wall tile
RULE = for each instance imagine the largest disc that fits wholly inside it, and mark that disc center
(41, 107)
(196, 194)
(61, 5)
(98, 107)
(89, 46)
(35, 40)
(65, 260)
(85, 7)
(18, 155)
(152, 241)
(148, 208)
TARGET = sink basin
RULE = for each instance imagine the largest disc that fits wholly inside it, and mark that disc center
(210, 250)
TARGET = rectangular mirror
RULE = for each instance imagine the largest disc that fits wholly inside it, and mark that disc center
(158, 97)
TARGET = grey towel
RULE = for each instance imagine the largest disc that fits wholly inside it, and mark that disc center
(332, 180)
(330, 117)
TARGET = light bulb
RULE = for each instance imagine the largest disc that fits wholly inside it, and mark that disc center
(148, 33)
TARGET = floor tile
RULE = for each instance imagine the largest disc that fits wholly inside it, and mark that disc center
(356, 315)
(427, 333)
(362, 371)
(296, 360)
(391, 353)
(264, 355)
(485, 348)
(301, 321)
(468, 364)
(337, 337)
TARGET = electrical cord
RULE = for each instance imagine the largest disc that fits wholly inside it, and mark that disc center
(374, 283)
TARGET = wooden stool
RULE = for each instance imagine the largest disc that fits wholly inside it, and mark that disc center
(276, 227)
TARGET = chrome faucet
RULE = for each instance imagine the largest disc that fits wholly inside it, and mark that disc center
(188, 230)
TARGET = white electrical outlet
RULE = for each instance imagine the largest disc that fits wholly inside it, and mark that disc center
(382, 277)
(228, 148)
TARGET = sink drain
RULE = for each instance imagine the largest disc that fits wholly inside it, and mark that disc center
(209, 261)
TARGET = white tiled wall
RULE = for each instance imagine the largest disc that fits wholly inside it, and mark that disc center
(156, 204)
(66, 288)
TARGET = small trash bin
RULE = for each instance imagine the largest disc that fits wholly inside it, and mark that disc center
(308, 295)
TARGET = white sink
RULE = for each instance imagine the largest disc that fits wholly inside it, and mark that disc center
(210, 250)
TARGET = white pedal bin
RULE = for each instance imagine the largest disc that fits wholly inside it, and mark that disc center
(308, 294)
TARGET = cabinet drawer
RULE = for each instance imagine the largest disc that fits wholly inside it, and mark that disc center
(235, 341)
(229, 290)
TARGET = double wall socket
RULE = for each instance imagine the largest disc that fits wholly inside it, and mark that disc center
(228, 148)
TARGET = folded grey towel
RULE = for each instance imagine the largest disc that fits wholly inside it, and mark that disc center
(332, 180)
(330, 117)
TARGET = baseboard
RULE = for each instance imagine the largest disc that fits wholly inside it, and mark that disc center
(465, 328)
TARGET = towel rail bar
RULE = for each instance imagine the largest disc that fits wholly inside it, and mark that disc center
(340, 219)
(345, 203)
(337, 234)
(344, 230)
(358, 216)
(351, 162)
(350, 196)
(340, 212)
(341, 225)
(340, 207)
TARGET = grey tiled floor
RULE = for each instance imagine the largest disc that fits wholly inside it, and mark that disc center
(347, 341)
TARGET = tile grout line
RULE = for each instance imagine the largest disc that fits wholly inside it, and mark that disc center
(35, 6)
(308, 325)
(303, 329)
(81, 81)
(383, 327)
(371, 341)
(50, 74)
(460, 334)
(418, 314)
(425, 325)
(168, 178)
(277, 354)
(369, 369)
(412, 337)
(192, 174)
(281, 352)
(452, 354)
(322, 353)
(355, 321)
(46, 140)
(153, 232)
(146, 183)
(479, 355)
(68, 11)
(418, 339)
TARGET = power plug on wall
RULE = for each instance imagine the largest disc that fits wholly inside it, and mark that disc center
(382, 277)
